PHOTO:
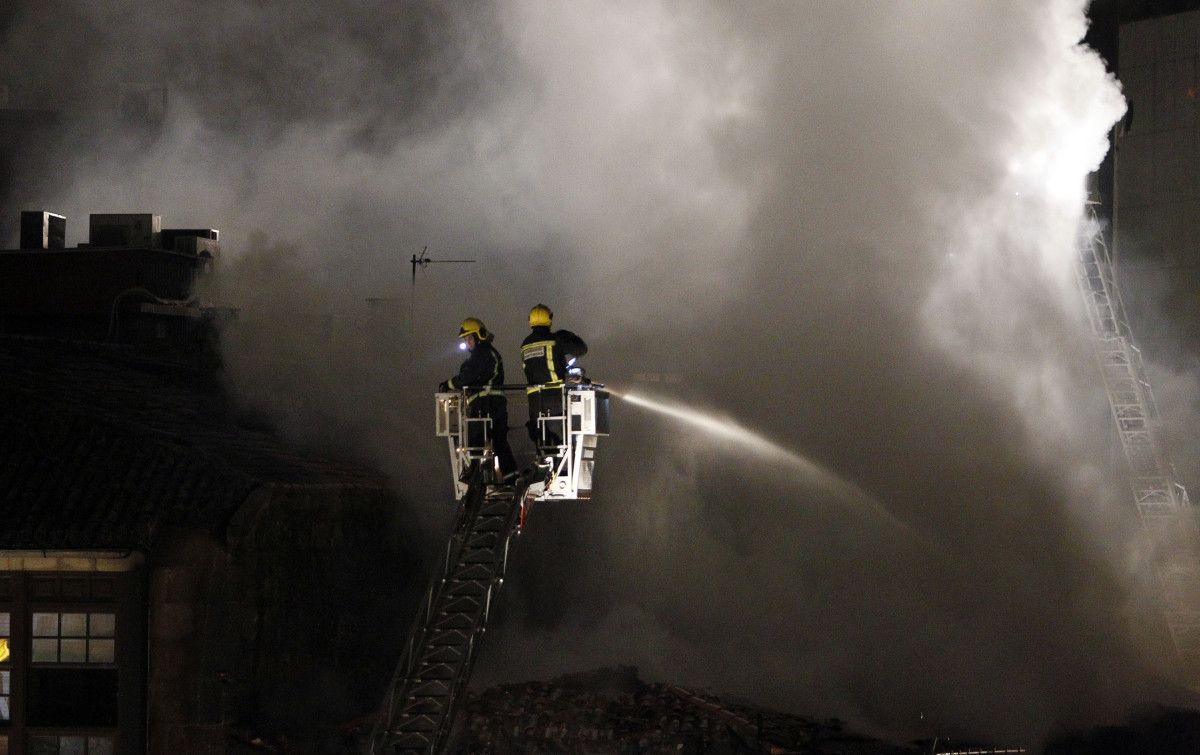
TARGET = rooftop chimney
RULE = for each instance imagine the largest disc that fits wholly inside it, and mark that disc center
(43, 230)
(137, 230)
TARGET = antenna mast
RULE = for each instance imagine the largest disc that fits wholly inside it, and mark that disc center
(422, 261)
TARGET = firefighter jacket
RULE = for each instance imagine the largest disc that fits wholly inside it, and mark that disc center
(544, 353)
(484, 369)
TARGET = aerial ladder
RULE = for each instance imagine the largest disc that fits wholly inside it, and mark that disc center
(437, 658)
(1163, 507)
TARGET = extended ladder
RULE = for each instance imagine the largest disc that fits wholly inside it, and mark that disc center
(420, 704)
(419, 707)
(1162, 502)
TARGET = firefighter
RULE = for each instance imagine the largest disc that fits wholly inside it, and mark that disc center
(483, 374)
(545, 354)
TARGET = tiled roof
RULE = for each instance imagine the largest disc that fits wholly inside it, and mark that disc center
(99, 449)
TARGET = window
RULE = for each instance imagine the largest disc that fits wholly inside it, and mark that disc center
(62, 688)
(76, 745)
(71, 696)
(5, 677)
(74, 638)
(71, 681)
(5, 673)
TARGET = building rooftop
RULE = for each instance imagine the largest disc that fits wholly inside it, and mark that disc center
(101, 448)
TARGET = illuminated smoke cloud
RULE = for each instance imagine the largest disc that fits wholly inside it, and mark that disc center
(848, 225)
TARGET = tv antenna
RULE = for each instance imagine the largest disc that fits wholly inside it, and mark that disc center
(422, 261)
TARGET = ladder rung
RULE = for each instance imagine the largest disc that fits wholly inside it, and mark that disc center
(441, 671)
(415, 725)
(454, 621)
(462, 604)
(424, 706)
(432, 688)
(473, 587)
(483, 539)
(492, 525)
(452, 637)
(443, 654)
(479, 556)
(473, 573)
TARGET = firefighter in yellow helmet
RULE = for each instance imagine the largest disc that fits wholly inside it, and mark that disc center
(481, 376)
(545, 354)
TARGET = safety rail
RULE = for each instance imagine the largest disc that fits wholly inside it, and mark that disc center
(566, 466)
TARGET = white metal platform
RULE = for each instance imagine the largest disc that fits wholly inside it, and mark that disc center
(566, 468)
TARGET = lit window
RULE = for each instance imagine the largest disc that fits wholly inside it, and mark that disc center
(74, 638)
(5, 675)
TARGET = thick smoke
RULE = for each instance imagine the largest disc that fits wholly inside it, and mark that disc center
(848, 224)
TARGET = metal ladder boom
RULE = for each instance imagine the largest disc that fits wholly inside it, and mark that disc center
(440, 652)
(1161, 501)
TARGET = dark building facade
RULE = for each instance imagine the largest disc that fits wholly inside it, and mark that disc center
(1156, 192)
(174, 578)
(1148, 181)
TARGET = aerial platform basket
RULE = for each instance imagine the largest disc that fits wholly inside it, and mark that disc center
(564, 468)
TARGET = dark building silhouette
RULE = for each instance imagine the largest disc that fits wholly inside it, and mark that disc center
(1156, 191)
(173, 576)
(1147, 183)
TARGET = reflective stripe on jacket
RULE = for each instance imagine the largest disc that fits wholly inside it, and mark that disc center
(544, 355)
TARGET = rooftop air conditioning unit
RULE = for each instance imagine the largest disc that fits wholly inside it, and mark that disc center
(138, 230)
(197, 241)
(197, 246)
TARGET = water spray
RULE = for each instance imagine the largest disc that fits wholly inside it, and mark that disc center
(728, 430)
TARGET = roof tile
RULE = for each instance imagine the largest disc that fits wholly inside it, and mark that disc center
(99, 449)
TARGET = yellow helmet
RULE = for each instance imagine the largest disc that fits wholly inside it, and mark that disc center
(473, 326)
(540, 315)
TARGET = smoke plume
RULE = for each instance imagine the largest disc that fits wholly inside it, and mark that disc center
(848, 225)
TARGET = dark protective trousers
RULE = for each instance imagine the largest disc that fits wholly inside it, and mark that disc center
(495, 407)
(546, 402)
